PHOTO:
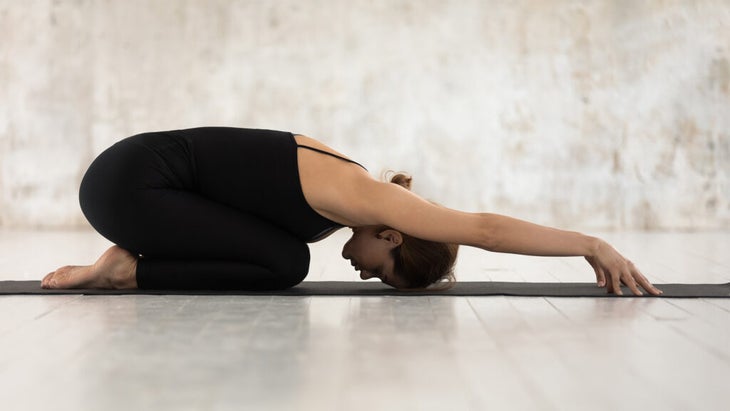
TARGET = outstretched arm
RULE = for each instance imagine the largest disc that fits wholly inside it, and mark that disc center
(510, 235)
(403, 210)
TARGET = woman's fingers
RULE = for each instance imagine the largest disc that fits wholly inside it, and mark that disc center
(600, 275)
(613, 270)
(615, 283)
(628, 279)
(633, 279)
(644, 283)
(609, 283)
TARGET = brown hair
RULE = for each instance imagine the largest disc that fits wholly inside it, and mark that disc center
(422, 263)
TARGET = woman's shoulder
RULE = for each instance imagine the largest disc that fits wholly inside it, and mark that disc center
(329, 184)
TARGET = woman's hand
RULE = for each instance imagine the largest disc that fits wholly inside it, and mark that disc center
(612, 269)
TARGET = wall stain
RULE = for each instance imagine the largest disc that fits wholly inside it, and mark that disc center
(520, 119)
(697, 144)
(719, 75)
(644, 216)
(617, 167)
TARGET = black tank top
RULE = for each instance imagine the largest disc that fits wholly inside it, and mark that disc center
(255, 171)
(335, 226)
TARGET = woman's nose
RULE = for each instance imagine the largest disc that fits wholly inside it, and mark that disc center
(346, 251)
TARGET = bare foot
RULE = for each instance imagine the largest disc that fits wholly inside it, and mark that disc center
(116, 268)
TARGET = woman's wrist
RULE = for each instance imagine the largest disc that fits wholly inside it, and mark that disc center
(592, 245)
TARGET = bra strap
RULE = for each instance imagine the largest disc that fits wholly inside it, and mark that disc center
(331, 154)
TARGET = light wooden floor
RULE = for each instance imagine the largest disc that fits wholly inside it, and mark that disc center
(358, 353)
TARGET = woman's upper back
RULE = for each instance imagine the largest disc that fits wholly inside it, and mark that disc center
(328, 181)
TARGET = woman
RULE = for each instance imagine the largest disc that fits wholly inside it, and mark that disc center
(231, 208)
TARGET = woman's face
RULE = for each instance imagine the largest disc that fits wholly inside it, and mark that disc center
(369, 252)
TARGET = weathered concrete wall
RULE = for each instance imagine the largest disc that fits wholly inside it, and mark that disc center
(592, 115)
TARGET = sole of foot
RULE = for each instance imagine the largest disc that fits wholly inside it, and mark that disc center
(115, 269)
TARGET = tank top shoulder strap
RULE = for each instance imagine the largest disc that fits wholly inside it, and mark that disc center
(331, 154)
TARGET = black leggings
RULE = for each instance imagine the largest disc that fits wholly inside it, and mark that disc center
(144, 200)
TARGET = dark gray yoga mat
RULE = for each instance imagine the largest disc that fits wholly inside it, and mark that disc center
(361, 288)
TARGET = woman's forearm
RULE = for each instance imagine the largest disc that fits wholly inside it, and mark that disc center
(509, 235)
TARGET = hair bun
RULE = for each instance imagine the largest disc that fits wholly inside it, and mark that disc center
(402, 180)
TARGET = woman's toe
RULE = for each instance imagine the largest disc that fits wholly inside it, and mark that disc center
(45, 281)
(61, 278)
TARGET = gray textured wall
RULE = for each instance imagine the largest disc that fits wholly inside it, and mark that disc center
(584, 114)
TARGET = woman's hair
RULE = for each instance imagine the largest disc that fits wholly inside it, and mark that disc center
(422, 263)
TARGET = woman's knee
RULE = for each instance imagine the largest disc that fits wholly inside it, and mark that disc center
(105, 188)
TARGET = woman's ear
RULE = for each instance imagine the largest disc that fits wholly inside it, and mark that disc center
(392, 236)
